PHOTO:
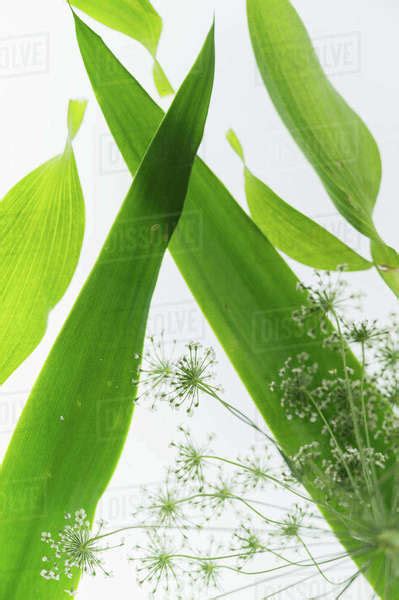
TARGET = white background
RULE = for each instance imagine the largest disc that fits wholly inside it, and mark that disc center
(359, 45)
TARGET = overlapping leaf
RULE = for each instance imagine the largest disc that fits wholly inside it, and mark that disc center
(42, 222)
(298, 236)
(135, 18)
(243, 286)
(72, 431)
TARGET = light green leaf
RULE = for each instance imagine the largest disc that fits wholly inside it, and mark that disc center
(243, 286)
(332, 136)
(235, 144)
(295, 234)
(73, 428)
(42, 222)
(298, 236)
(76, 113)
(161, 81)
(135, 18)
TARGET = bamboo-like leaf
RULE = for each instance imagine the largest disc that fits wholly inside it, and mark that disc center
(135, 18)
(332, 136)
(295, 234)
(73, 428)
(243, 286)
(42, 222)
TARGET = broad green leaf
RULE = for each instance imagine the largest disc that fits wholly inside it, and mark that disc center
(135, 18)
(73, 428)
(332, 136)
(298, 236)
(42, 221)
(243, 286)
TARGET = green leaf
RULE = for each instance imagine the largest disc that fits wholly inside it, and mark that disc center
(243, 286)
(235, 144)
(73, 428)
(76, 113)
(298, 236)
(161, 81)
(42, 221)
(136, 18)
(295, 234)
(331, 135)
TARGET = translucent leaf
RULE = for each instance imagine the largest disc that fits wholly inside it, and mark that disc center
(42, 222)
(295, 234)
(135, 18)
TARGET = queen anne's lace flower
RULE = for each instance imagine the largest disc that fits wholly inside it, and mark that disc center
(73, 548)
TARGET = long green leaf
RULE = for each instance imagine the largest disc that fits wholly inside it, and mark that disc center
(135, 18)
(298, 236)
(72, 431)
(330, 133)
(42, 221)
(332, 136)
(243, 286)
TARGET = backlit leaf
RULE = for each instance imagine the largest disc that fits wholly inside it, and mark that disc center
(332, 136)
(330, 133)
(298, 236)
(135, 18)
(42, 222)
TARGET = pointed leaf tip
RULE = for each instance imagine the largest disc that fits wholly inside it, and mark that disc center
(235, 143)
(76, 113)
(162, 83)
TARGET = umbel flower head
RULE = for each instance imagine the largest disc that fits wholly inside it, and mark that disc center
(179, 382)
(73, 548)
(191, 459)
(156, 563)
